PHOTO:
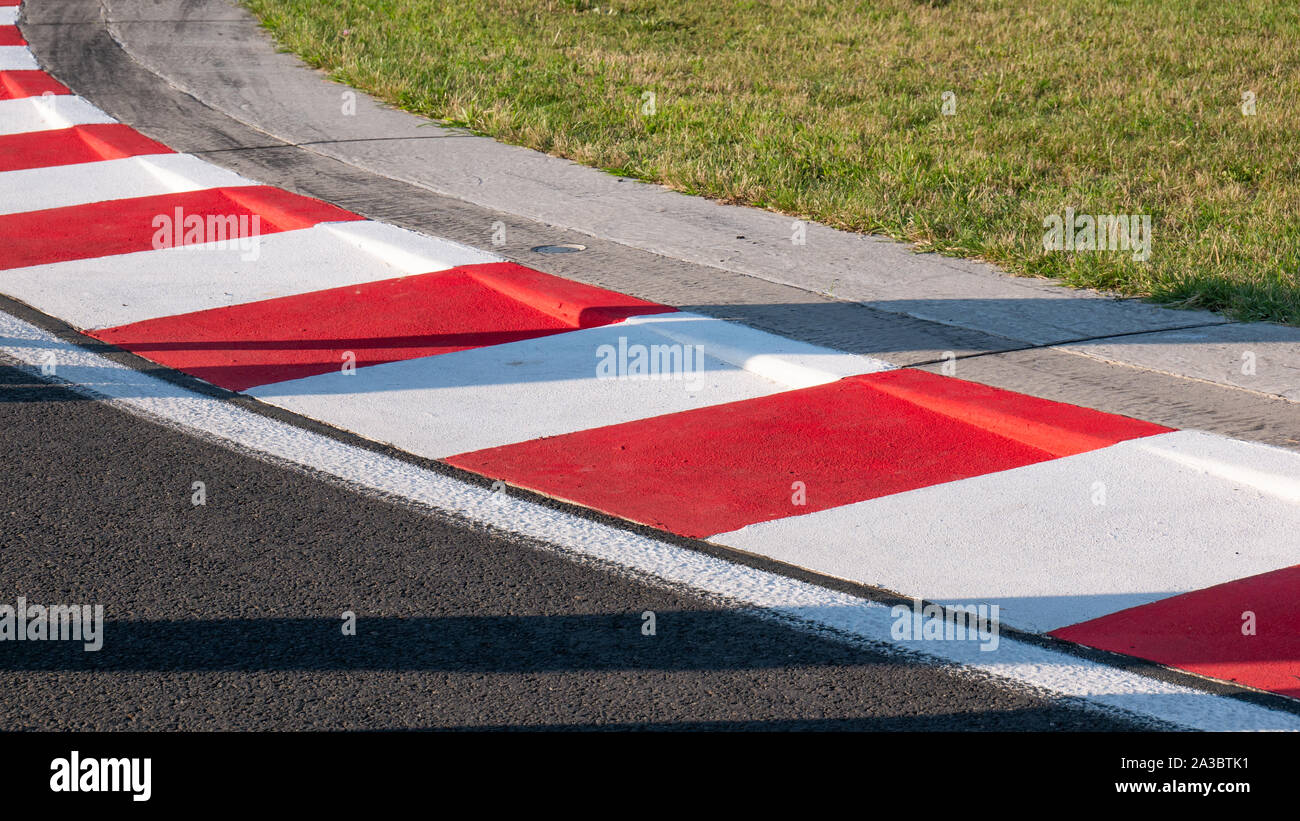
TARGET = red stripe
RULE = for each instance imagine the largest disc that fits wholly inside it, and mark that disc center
(18, 84)
(69, 146)
(1206, 632)
(1053, 427)
(573, 304)
(122, 226)
(11, 36)
(719, 468)
(297, 336)
(10, 2)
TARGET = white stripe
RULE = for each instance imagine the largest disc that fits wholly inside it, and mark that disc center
(8, 15)
(16, 58)
(792, 602)
(1233, 468)
(115, 290)
(787, 362)
(1066, 540)
(439, 406)
(47, 112)
(408, 251)
(34, 189)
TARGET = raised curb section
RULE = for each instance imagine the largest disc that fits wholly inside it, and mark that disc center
(1101, 529)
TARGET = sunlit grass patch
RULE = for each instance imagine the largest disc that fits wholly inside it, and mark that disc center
(833, 111)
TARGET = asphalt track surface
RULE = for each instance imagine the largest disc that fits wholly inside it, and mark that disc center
(227, 615)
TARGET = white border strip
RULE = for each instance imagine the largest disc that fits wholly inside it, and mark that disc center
(803, 605)
(61, 186)
(47, 112)
(118, 289)
(780, 359)
(8, 15)
(17, 58)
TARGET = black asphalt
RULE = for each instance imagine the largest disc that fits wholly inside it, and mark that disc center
(228, 615)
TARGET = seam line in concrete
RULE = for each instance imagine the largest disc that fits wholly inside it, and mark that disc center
(329, 142)
(1038, 347)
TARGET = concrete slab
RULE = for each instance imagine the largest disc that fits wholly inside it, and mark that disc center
(1256, 356)
(84, 52)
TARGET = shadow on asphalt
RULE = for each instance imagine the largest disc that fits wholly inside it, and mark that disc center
(683, 640)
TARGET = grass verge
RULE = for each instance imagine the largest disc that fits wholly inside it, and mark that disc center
(833, 111)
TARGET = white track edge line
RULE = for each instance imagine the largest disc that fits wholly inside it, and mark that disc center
(1049, 672)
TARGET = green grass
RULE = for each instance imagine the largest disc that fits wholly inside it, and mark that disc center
(830, 111)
